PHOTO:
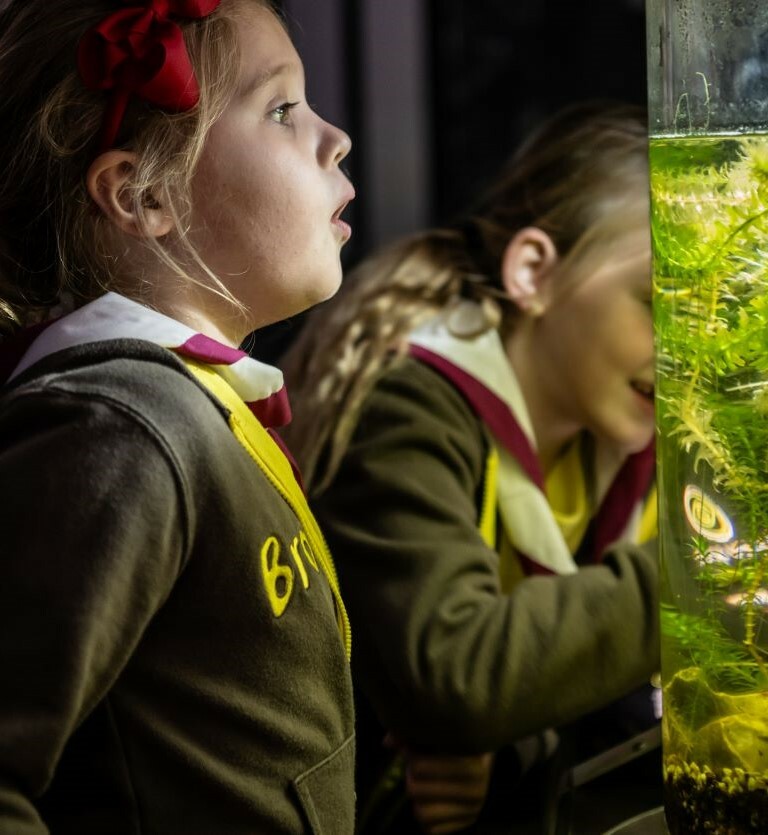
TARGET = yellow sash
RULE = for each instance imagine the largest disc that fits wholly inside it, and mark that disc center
(487, 521)
(273, 463)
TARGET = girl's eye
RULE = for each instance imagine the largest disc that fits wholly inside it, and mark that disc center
(282, 113)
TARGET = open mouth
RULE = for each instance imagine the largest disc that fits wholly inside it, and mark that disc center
(339, 223)
(643, 389)
(336, 216)
(349, 195)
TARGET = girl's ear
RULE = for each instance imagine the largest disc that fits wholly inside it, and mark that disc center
(109, 184)
(525, 268)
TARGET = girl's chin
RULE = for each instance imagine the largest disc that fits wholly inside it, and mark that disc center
(319, 292)
(634, 436)
(639, 440)
(329, 288)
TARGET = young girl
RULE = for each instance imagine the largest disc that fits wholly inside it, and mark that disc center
(476, 429)
(173, 644)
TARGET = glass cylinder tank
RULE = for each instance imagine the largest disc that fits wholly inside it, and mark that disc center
(708, 116)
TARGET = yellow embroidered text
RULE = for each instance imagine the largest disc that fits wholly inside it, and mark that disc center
(279, 578)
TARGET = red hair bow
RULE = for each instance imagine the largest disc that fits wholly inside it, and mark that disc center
(140, 51)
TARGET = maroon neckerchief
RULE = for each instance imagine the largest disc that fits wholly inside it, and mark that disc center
(271, 412)
(630, 484)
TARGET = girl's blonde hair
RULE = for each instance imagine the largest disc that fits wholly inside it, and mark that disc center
(53, 241)
(579, 178)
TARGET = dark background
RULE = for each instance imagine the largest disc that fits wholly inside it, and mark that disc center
(436, 94)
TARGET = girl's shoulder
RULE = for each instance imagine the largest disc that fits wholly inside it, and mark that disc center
(114, 390)
(412, 387)
(135, 373)
(412, 414)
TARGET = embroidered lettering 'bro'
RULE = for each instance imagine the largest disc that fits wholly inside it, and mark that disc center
(279, 578)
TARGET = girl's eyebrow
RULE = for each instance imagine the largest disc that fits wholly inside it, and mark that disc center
(255, 84)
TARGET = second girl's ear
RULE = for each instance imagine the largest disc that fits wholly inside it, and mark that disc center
(109, 180)
(525, 269)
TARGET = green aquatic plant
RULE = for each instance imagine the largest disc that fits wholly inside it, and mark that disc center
(710, 242)
(706, 645)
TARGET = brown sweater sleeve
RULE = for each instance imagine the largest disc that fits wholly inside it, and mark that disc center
(445, 657)
(92, 540)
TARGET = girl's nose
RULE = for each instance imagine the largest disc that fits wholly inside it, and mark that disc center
(337, 144)
(345, 145)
